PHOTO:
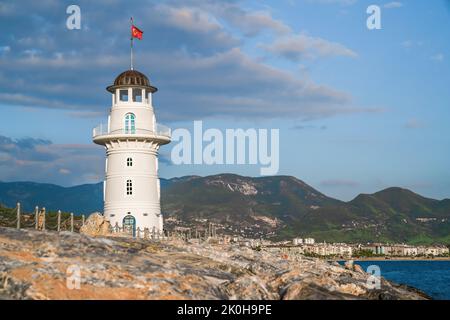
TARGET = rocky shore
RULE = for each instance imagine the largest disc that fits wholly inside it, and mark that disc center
(42, 265)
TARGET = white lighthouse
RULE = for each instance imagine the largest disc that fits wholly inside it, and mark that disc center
(132, 139)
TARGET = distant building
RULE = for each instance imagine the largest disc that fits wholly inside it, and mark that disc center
(433, 251)
(327, 249)
(403, 250)
(379, 250)
(346, 250)
(300, 241)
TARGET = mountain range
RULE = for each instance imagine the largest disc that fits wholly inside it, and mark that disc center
(279, 207)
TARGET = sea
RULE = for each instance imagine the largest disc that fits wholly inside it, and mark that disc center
(432, 277)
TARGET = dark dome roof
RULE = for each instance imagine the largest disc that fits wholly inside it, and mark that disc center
(131, 78)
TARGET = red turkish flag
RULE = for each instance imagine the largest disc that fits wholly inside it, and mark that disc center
(136, 33)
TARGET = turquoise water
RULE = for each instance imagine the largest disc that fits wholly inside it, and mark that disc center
(432, 277)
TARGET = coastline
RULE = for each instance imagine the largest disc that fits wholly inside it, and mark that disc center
(392, 259)
(140, 269)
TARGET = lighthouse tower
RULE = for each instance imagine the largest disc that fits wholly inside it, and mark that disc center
(132, 139)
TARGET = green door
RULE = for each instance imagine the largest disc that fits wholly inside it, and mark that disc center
(129, 225)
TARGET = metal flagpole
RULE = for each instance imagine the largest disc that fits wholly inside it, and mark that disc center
(131, 33)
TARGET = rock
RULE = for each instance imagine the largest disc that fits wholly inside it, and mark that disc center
(335, 263)
(37, 265)
(352, 289)
(312, 291)
(358, 268)
(248, 288)
(96, 225)
(10, 288)
(349, 264)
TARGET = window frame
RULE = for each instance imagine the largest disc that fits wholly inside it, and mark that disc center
(129, 187)
(127, 95)
(130, 123)
(136, 92)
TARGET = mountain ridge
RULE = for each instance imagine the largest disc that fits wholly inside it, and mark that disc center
(279, 207)
(182, 178)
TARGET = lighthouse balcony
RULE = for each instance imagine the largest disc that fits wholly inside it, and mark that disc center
(102, 133)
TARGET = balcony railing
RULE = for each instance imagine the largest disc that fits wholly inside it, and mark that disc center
(160, 130)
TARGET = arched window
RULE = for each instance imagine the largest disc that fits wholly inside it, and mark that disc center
(130, 123)
(129, 162)
(129, 187)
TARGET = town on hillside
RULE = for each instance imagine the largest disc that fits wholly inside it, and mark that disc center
(309, 247)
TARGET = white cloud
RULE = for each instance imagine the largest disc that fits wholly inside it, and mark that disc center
(296, 47)
(249, 22)
(64, 171)
(30, 159)
(191, 51)
(393, 5)
(252, 23)
(5, 49)
(190, 19)
(248, 89)
(414, 123)
(411, 43)
(340, 2)
(23, 99)
(439, 57)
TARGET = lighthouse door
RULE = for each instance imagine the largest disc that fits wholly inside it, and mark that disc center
(129, 225)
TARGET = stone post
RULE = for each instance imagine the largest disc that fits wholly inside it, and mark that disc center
(59, 220)
(43, 219)
(71, 222)
(36, 217)
(18, 215)
(82, 219)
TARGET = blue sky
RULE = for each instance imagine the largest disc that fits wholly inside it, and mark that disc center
(358, 110)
